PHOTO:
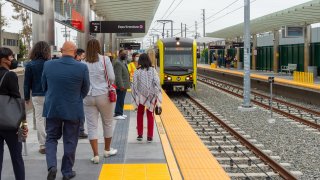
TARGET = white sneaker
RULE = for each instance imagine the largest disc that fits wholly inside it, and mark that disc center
(95, 160)
(110, 153)
(125, 116)
(119, 118)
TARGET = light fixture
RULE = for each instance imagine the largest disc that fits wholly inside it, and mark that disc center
(178, 41)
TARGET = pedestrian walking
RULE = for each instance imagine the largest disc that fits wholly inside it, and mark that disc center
(122, 83)
(80, 56)
(146, 92)
(40, 53)
(9, 86)
(97, 102)
(66, 83)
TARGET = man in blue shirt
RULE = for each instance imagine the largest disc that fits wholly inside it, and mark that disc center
(66, 83)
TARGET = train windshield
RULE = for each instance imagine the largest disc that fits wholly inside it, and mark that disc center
(178, 58)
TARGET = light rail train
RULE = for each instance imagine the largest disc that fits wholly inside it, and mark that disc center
(177, 62)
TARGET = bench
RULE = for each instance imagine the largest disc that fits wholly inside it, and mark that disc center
(290, 68)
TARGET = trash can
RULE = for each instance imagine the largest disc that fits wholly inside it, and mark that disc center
(239, 65)
(314, 70)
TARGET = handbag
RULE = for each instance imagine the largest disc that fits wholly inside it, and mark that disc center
(158, 110)
(12, 111)
(112, 92)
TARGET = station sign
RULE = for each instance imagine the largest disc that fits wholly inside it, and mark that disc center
(117, 27)
(35, 6)
(216, 47)
(130, 46)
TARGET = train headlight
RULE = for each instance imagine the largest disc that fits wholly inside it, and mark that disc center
(187, 78)
(169, 78)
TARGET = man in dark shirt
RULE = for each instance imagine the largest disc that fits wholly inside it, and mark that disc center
(80, 55)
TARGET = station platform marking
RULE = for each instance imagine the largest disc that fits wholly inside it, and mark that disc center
(134, 172)
(128, 107)
(128, 90)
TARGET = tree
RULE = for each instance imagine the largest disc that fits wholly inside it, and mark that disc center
(22, 51)
(24, 16)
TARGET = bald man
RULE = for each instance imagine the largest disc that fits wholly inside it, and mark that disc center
(66, 83)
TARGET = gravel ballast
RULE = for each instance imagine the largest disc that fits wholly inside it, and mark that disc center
(295, 144)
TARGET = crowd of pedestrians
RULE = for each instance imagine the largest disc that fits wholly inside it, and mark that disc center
(76, 88)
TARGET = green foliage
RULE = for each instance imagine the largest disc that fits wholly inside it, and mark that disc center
(204, 52)
(25, 17)
(23, 51)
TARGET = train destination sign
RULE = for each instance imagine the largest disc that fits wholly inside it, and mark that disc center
(117, 27)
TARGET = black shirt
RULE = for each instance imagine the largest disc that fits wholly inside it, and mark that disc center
(10, 85)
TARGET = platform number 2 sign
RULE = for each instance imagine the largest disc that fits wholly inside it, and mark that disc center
(95, 27)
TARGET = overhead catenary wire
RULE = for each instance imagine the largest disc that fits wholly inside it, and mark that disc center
(175, 8)
(216, 19)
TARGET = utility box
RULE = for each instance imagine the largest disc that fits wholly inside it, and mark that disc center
(314, 70)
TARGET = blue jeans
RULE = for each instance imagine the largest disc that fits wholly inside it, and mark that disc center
(55, 128)
(15, 148)
(120, 102)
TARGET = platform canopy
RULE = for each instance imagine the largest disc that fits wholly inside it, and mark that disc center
(128, 10)
(303, 14)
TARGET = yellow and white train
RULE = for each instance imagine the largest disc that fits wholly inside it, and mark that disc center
(177, 62)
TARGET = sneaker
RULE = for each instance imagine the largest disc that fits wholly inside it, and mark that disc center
(110, 153)
(95, 160)
(83, 135)
(73, 174)
(149, 139)
(125, 116)
(139, 138)
(119, 117)
(52, 173)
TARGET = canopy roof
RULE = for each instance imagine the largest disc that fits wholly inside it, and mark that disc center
(128, 10)
(303, 14)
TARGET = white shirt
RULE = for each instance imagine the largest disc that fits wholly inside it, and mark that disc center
(98, 83)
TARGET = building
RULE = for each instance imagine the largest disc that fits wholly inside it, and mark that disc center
(11, 40)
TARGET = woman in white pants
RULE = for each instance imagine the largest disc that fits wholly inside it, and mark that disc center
(97, 101)
(32, 82)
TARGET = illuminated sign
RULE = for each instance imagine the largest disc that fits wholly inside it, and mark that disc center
(117, 26)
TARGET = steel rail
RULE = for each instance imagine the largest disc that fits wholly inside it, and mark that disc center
(296, 118)
(273, 164)
(264, 96)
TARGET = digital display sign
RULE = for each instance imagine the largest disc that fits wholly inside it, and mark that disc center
(130, 46)
(117, 27)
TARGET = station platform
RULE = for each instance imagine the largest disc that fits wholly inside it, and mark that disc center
(285, 79)
(175, 153)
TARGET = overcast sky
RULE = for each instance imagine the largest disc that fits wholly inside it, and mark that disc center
(190, 11)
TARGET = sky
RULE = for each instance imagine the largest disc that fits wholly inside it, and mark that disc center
(220, 15)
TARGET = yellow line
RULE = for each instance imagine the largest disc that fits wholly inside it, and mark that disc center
(277, 79)
(134, 171)
(173, 167)
(128, 90)
(128, 107)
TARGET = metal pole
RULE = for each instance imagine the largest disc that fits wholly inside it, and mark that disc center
(204, 22)
(185, 30)
(171, 28)
(196, 29)
(247, 85)
(271, 100)
(65, 33)
(163, 30)
(181, 30)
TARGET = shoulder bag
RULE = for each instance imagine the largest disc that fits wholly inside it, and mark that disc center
(12, 111)
(112, 91)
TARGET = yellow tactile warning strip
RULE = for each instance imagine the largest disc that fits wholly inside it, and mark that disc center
(171, 161)
(128, 90)
(277, 79)
(194, 159)
(128, 107)
(134, 172)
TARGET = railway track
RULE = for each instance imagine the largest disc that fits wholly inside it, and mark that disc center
(295, 112)
(241, 158)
